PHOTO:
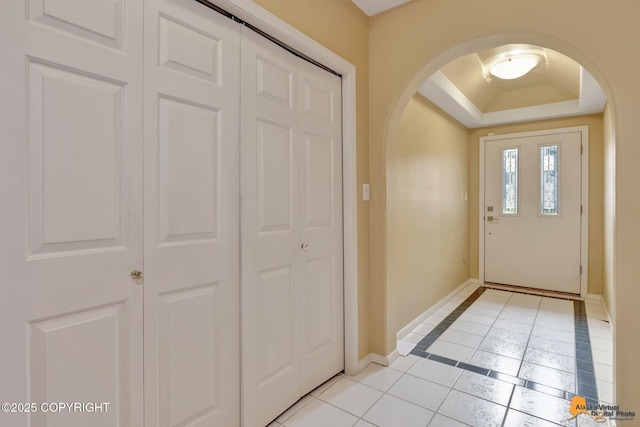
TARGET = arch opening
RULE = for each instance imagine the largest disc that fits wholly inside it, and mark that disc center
(401, 221)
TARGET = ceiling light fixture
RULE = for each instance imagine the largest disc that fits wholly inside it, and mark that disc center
(513, 67)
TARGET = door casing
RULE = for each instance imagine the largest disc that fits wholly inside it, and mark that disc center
(584, 225)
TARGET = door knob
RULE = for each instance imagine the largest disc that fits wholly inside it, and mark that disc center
(305, 247)
(137, 276)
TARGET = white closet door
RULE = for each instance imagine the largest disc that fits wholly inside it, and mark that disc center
(291, 229)
(191, 305)
(71, 191)
(321, 281)
(270, 241)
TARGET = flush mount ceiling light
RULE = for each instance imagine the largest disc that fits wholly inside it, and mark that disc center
(513, 66)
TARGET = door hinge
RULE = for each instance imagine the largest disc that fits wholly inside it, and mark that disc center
(581, 149)
(580, 209)
(581, 270)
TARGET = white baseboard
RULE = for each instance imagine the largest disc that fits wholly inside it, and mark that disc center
(598, 297)
(377, 359)
(363, 363)
(415, 322)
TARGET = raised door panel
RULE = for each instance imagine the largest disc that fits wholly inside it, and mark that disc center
(71, 178)
(192, 352)
(189, 380)
(269, 237)
(76, 173)
(188, 171)
(96, 371)
(96, 20)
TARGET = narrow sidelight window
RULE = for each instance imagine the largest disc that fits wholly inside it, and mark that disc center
(549, 180)
(510, 181)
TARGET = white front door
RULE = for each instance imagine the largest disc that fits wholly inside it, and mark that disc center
(191, 217)
(71, 228)
(532, 211)
(291, 235)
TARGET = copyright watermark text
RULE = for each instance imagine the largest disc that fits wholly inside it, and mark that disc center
(66, 407)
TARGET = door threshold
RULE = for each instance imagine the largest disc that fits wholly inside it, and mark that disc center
(534, 291)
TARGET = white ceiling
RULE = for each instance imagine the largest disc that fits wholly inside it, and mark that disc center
(373, 7)
(557, 87)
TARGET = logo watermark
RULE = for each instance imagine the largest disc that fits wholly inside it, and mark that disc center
(599, 413)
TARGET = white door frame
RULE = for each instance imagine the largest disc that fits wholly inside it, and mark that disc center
(584, 221)
(275, 27)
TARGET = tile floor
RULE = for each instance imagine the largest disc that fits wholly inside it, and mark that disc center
(492, 359)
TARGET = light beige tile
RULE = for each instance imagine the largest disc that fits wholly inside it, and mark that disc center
(471, 328)
(462, 338)
(320, 414)
(548, 376)
(376, 376)
(419, 392)
(551, 360)
(519, 419)
(295, 408)
(516, 338)
(451, 350)
(472, 410)
(541, 405)
(351, 396)
(434, 371)
(603, 372)
(502, 348)
(403, 363)
(484, 387)
(440, 420)
(496, 362)
(390, 411)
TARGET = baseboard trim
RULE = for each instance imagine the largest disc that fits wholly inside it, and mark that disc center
(421, 318)
(377, 359)
(362, 363)
(599, 297)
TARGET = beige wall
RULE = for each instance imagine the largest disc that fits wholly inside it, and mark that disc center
(412, 41)
(343, 28)
(596, 182)
(427, 223)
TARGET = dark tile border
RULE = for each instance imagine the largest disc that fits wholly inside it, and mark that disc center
(586, 385)
(421, 348)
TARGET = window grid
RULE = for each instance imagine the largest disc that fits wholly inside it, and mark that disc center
(510, 181)
(549, 180)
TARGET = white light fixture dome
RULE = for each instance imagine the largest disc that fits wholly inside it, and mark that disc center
(513, 67)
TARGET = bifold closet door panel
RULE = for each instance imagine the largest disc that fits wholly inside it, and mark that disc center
(191, 309)
(270, 238)
(291, 228)
(71, 229)
(322, 293)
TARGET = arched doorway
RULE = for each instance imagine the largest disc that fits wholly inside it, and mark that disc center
(394, 302)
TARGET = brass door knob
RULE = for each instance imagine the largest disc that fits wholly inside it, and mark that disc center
(137, 276)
